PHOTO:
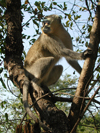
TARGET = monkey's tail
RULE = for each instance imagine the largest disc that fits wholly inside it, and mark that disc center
(25, 102)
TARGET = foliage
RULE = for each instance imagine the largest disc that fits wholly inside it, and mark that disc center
(90, 124)
(11, 111)
(78, 20)
(61, 88)
(3, 28)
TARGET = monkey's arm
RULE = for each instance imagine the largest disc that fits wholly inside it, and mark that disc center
(69, 54)
(57, 48)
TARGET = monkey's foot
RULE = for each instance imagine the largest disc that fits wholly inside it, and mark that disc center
(37, 89)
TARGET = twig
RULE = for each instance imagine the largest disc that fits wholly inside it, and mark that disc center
(94, 81)
(27, 21)
(10, 89)
(72, 95)
(88, 9)
(93, 117)
(85, 109)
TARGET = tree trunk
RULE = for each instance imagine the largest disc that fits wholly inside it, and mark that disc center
(86, 74)
(45, 107)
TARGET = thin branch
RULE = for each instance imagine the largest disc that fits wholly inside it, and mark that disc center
(27, 21)
(88, 9)
(72, 95)
(81, 7)
(31, 6)
(72, 6)
(92, 117)
(85, 109)
(10, 89)
(94, 81)
(62, 99)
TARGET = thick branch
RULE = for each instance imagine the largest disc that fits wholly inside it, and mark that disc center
(13, 48)
(87, 71)
(45, 107)
(85, 109)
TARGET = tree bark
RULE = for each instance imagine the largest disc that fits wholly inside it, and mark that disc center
(45, 107)
(86, 74)
(13, 48)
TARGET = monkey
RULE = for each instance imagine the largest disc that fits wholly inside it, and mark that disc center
(40, 62)
(54, 43)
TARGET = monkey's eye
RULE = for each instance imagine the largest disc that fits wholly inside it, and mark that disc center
(46, 22)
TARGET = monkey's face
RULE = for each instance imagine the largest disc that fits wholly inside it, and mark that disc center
(46, 26)
(50, 24)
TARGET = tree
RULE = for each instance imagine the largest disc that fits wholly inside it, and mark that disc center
(45, 107)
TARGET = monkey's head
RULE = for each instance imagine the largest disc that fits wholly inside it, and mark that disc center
(50, 24)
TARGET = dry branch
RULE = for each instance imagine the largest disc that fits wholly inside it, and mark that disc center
(87, 72)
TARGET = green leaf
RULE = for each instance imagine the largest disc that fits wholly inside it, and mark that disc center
(34, 21)
(3, 84)
(77, 16)
(83, 26)
(6, 115)
(60, 6)
(28, 37)
(54, 3)
(65, 6)
(86, 44)
(98, 76)
(69, 16)
(67, 23)
(1, 69)
(43, 4)
(2, 105)
(77, 39)
(50, 6)
(89, 29)
(3, 3)
(37, 3)
(71, 24)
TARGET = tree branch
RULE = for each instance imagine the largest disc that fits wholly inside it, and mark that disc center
(87, 71)
(45, 108)
(85, 110)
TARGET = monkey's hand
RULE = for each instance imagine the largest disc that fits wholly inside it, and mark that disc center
(37, 89)
(87, 53)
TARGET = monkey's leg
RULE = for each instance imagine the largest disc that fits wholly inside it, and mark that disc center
(40, 68)
(39, 71)
(54, 75)
(75, 65)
